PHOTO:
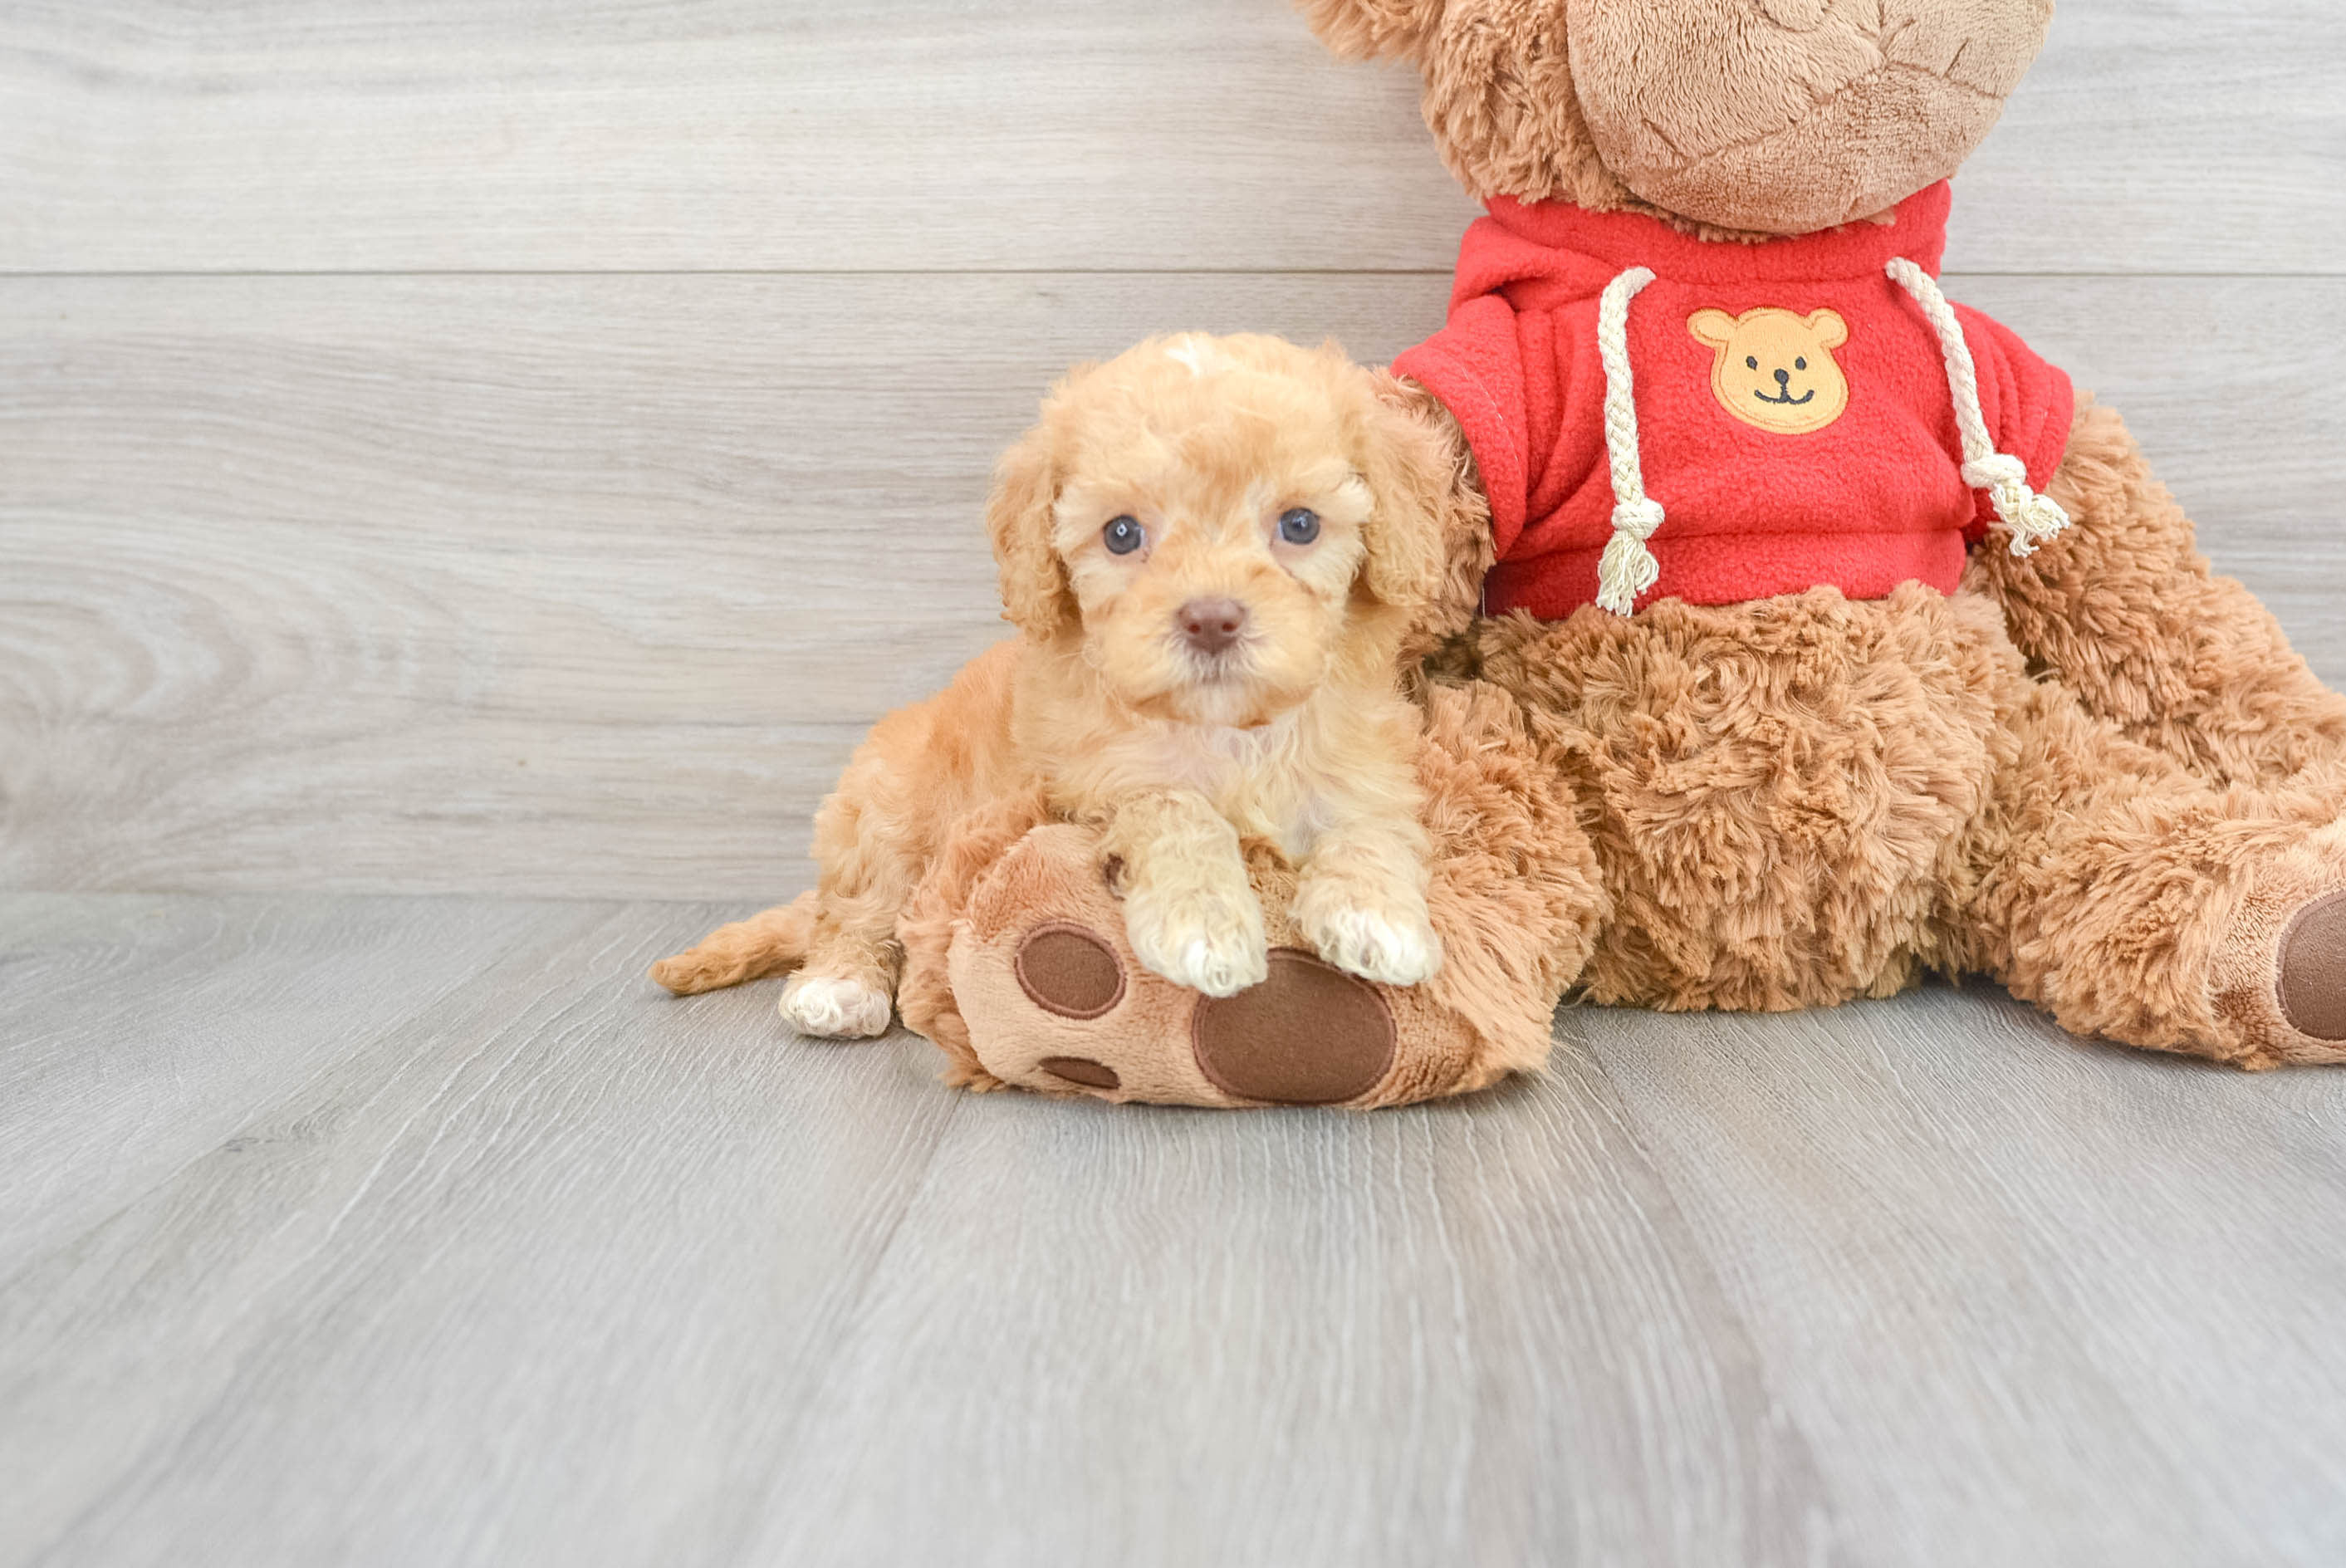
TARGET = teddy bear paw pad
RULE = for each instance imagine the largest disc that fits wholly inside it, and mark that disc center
(1066, 970)
(2313, 968)
(1309, 1035)
(1082, 1070)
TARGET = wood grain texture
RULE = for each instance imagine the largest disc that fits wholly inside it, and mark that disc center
(131, 1028)
(539, 1271)
(554, 1269)
(1460, 1333)
(2170, 137)
(582, 587)
(2086, 1292)
(543, 1267)
(385, 134)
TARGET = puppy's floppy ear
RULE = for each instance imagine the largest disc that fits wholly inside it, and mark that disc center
(1036, 594)
(1428, 534)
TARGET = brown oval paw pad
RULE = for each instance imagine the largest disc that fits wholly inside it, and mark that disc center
(1066, 970)
(1308, 1035)
(1082, 1070)
(2313, 968)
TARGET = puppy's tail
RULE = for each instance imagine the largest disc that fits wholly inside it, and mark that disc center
(751, 949)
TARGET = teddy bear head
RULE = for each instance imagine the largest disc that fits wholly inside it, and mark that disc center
(1728, 117)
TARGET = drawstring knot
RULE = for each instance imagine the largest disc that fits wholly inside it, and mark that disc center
(1628, 568)
(2033, 518)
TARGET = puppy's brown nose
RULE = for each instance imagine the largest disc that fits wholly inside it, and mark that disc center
(1211, 625)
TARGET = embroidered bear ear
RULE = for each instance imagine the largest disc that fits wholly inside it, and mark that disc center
(1827, 327)
(1715, 329)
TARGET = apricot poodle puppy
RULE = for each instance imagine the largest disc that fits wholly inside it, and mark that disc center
(1213, 549)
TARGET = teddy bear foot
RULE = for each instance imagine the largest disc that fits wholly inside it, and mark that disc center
(1309, 1035)
(2312, 989)
(1306, 1034)
(2281, 966)
(1051, 997)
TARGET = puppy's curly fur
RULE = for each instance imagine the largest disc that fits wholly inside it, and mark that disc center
(1220, 681)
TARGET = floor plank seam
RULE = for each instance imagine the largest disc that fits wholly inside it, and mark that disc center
(1618, 1108)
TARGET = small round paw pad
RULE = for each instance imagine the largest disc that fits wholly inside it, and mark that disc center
(1082, 1070)
(1067, 970)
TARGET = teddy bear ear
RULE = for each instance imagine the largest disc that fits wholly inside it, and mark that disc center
(1035, 595)
(1826, 328)
(1373, 29)
(1716, 329)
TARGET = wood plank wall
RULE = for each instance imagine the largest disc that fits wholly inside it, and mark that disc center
(509, 446)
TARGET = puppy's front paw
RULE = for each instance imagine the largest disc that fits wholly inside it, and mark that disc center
(831, 1005)
(1206, 939)
(1393, 944)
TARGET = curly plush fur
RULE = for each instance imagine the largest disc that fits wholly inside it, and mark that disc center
(1800, 801)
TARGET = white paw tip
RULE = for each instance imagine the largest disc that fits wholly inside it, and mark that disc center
(1391, 952)
(841, 1009)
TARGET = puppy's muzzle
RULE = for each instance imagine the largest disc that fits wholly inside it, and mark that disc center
(1211, 626)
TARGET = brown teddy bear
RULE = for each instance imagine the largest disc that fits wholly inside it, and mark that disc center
(1872, 647)
(1849, 637)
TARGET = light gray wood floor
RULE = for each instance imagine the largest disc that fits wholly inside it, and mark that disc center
(394, 1231)
(467, 463)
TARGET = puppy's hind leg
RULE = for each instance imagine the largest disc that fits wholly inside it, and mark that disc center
(870, 862)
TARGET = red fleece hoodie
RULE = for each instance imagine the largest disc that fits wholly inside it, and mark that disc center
(1793, 412)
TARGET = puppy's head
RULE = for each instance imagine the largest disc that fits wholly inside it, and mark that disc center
(1220, 525)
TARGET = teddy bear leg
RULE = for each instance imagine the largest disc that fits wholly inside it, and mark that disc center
(2138, 901)
(2122, 609)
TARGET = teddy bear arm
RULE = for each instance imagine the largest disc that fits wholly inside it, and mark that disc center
(2122, 609)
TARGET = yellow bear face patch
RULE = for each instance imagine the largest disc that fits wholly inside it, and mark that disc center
(1774, 368)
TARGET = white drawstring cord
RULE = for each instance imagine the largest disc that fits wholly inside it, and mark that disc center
(2033, 518)
(1628, 568)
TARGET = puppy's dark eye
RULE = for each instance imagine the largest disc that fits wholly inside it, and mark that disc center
(1751, 360)
(1299, 525)
(1123, 536)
